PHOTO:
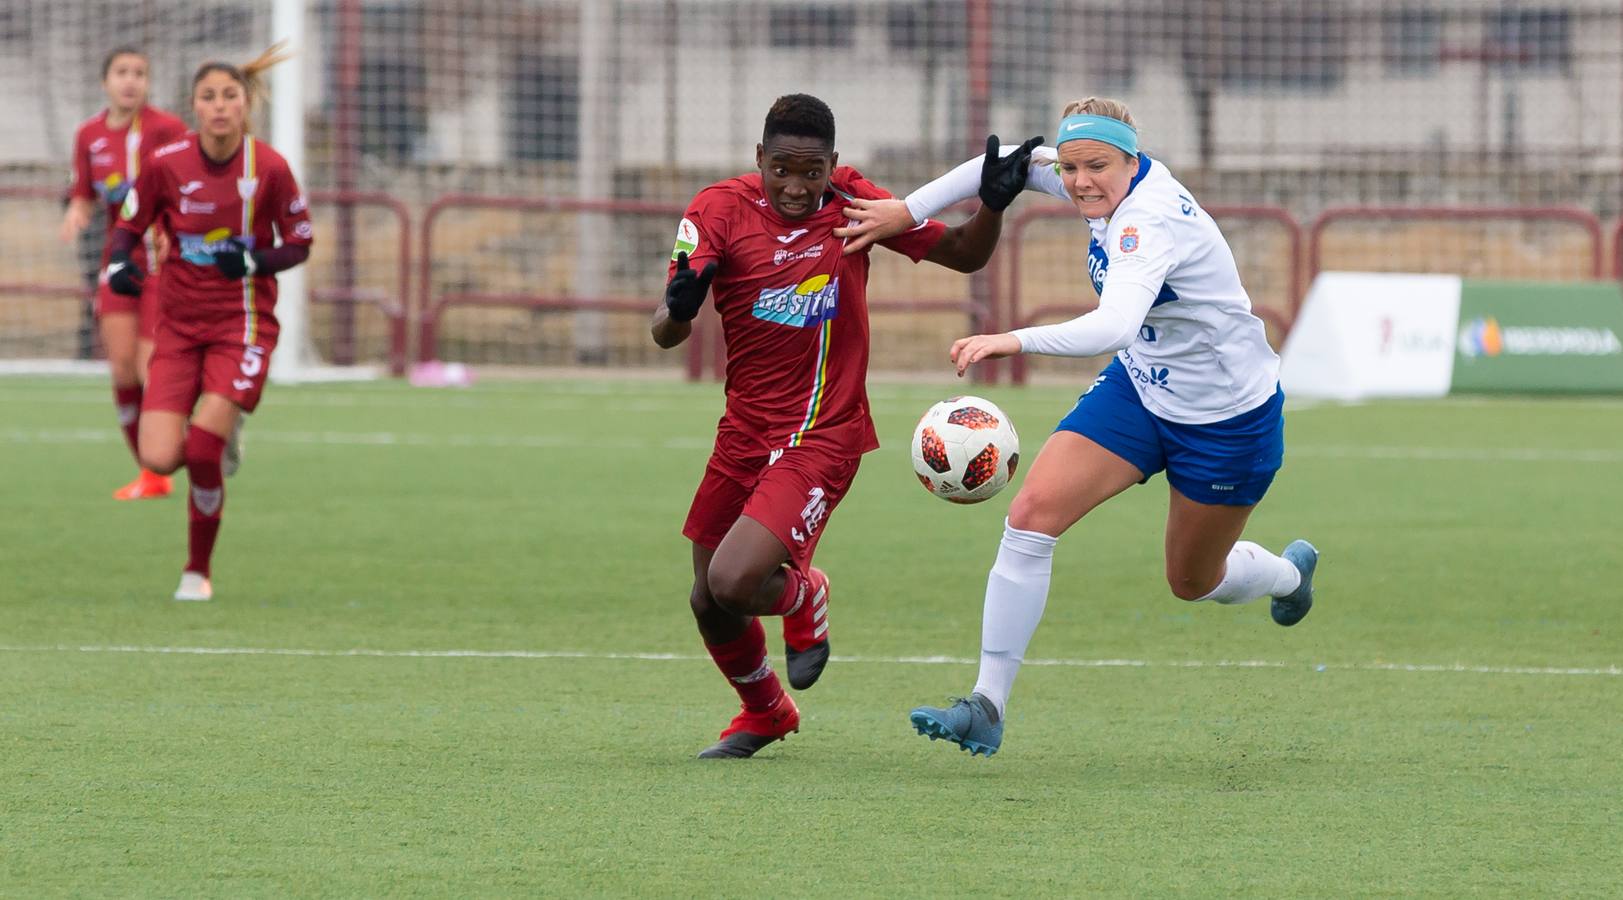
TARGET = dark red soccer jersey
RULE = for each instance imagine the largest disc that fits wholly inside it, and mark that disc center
(202, 205)
(106, 161)
(794, 310)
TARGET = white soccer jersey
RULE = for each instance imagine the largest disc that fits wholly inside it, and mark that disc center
(1200, 355)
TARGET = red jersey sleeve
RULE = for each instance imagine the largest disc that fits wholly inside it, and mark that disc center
(81, 189)
(704, 231)
(142, 201)
(915, 244)
(292, 211)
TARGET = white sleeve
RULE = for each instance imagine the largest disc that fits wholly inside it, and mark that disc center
(964, 182)
(1111, 327)
(1141, 256)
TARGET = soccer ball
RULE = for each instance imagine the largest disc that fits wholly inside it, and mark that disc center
(965, 449)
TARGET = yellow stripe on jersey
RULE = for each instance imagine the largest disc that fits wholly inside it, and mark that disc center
(245, 188)
(814, 406)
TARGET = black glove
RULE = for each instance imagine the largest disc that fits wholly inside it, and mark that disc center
(685, 293)
(1003, 178)
(236, 261)
(123, 276)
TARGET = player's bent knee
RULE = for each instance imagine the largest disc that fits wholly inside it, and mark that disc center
(700, 601)
(164, 461)
(732, 589)
(1031, 512)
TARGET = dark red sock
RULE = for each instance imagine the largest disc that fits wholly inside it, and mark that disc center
(203, 453)
(794, 593)
(128, 402)
(744, 663)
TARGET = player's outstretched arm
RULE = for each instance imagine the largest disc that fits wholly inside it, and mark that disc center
(996, 177)
(684, 295)
(966, 248)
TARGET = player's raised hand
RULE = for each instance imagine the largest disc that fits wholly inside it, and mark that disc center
(1004, 177)
(873, 220)
(123, 276)
(236, 261)
(970, 350)
(684, 294)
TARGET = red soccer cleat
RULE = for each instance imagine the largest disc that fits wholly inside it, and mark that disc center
(750, 731)
(146, 486)
(805, 633)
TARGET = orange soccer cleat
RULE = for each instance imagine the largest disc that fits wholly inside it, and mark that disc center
(146, 486)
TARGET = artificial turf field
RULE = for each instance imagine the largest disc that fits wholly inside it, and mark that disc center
(1448, 720)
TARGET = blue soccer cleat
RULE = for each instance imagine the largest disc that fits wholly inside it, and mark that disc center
(973, 724)
(1293, 607)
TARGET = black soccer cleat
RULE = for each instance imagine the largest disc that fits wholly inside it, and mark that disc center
(806, 666)
(738, 745)
(751, 731)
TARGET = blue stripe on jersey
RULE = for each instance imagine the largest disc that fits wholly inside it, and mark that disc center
(1099, 265)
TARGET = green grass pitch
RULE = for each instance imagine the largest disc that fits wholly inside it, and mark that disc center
(1448, 721)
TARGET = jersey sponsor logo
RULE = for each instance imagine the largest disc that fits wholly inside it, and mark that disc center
(102, 159)
(1222, 487)
(304, 230)
(298, 205)
(1129, 239)
(190, 186)
(805, 305)
(98, 145)
(113, 188)
(199, 249)
(1098, 265)
(779, 257)
(167, 149)
(790, 237)
(188, 206)
(687, 238)
(1149, 376)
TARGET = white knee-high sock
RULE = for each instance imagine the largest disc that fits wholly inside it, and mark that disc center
(1253, 572)
(1016, 592)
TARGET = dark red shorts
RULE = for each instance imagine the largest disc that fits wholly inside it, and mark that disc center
(185, 368)
(791, 491)
(145, 306)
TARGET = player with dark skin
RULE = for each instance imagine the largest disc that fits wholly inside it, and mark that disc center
(749, 572)
(744, 575)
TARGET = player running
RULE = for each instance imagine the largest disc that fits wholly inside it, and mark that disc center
(109, 151)
(795, 321)
(1193, 390)
(223, 198)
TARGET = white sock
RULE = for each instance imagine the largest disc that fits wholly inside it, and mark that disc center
(1253, 572)
(1016, 592)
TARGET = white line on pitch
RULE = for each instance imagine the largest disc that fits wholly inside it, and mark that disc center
(563, 441)
(883, 660)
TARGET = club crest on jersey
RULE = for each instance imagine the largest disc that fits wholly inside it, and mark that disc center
(687, 238)
(246, 187)
(1129, 239)
(805, 305)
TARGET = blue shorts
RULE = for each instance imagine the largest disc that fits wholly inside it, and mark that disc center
(1228, 463)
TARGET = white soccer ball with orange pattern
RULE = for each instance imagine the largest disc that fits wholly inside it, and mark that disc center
(965, 449)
